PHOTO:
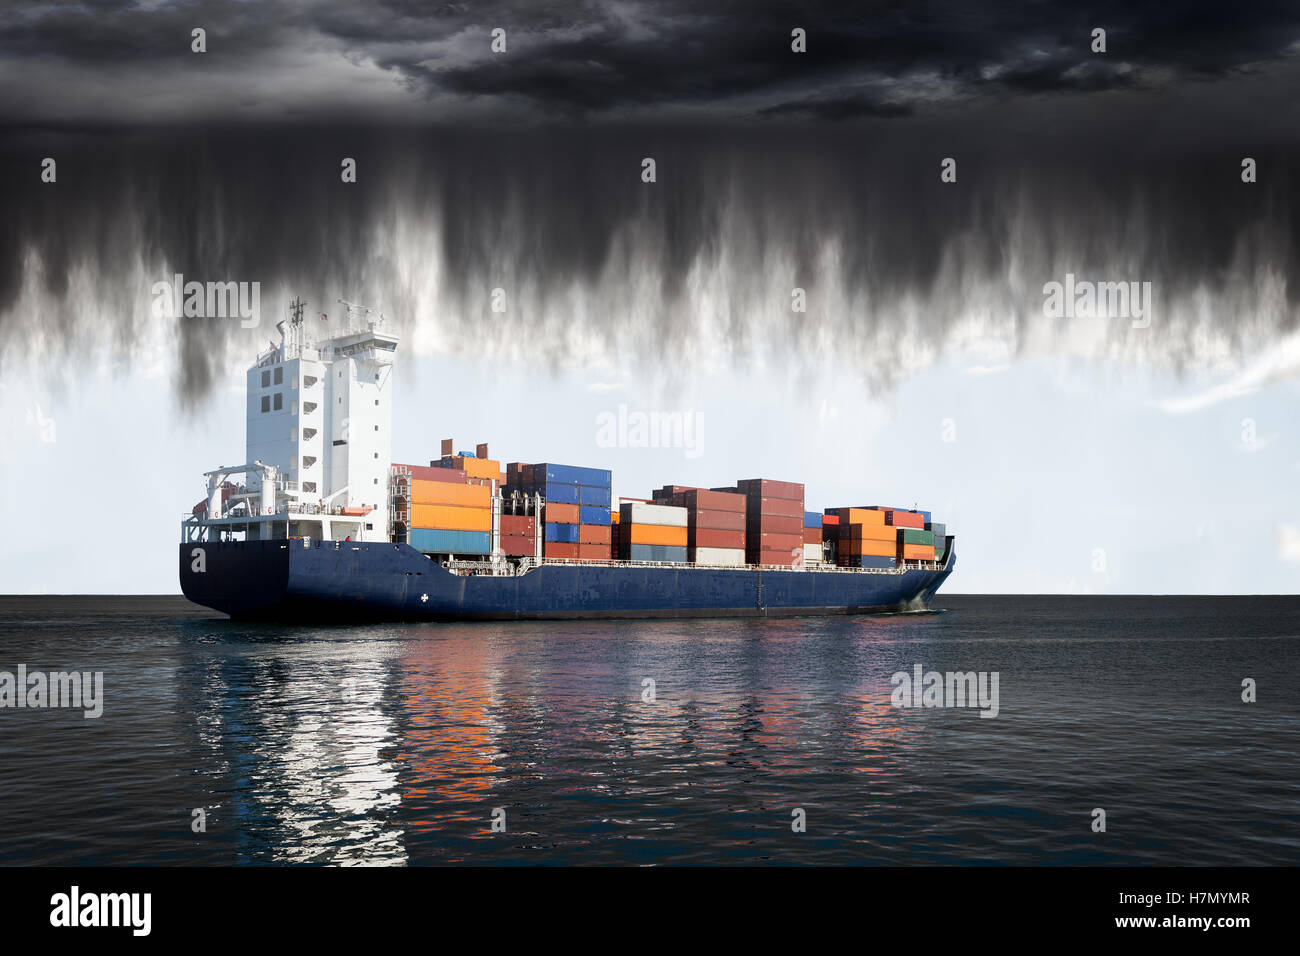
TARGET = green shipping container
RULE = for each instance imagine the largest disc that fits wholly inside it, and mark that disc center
(915, 536)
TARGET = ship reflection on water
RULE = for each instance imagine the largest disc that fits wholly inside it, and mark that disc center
(640, 743)
(679, 741)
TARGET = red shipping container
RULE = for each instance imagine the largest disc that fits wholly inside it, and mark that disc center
(812, 536)
(594, 534)
(525, 525)
(561, 513)
(784, 507)
(830, 520)
(427, 473)
(593, 552)
(717, 520)
(558, 549)
(905, 519)
(774, 524)
(773, 542)
(712, 538)
(517, 546)
(783, 558)
(769, 488)
(701, 499)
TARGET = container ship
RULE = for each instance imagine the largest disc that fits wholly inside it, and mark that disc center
(319, 523)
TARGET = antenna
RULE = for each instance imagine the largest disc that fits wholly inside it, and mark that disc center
(357, 313)
(292, 336)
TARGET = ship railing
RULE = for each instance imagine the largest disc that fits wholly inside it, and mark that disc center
(497, 568)
(617, 563)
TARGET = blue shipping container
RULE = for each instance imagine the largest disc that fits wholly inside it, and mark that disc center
(656, 552)
(561, 533)
(871, 561)
(451, 542)
(593, 514)
(560, 494)
(589, 495)
(812, 519)
(573, 475)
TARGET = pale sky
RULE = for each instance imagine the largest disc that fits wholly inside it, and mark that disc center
(1053, 459)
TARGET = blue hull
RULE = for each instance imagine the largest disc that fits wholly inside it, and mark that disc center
(283, 580)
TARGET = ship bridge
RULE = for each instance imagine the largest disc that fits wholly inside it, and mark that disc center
(318, 439)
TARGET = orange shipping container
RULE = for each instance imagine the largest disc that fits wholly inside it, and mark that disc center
(478, 467)
(446, 493)
(864, 547)
(657, 534)
(871, 532)
(918, 552)
(451, 518)
(868, 516)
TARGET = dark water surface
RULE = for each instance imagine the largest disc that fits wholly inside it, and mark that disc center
(393, 744)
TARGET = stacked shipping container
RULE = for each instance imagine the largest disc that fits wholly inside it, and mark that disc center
(813, 552)
(649, 532)
(576, 515)
(715, 524)
(863, 540)
(759, 521)
(773, 521)
(449, 512)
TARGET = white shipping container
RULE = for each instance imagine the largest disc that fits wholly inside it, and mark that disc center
(723, 556)
(664, 515)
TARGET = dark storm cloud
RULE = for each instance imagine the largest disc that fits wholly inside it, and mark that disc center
(596, 57)
(816, 171)
(559, 218)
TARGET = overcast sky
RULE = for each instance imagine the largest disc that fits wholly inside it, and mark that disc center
(775, 170)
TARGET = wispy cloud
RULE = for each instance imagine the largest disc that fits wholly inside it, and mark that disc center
(1288, 543)
(1279, 363)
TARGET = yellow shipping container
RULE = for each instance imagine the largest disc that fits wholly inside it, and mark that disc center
(451, 518)
(657, 534)
(450, 493)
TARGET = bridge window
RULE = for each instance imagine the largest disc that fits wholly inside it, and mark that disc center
(266, 379)
(266, 403)
(279, 375)
(278, 403)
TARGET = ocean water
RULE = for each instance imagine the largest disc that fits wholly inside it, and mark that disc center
(395, 744)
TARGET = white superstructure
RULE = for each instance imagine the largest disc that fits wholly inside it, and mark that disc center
(318, 440)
